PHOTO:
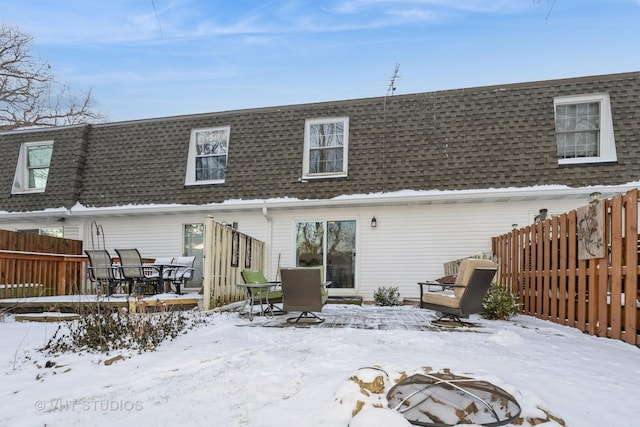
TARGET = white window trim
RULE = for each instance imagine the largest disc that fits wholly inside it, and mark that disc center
(345, 147)
(190, 178)
(42, 231)
(607, 137)
(21, 177)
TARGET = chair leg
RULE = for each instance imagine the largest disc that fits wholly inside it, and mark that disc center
(315, 319)
(452, 317)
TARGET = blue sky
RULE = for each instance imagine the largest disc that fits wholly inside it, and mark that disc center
(155, 58)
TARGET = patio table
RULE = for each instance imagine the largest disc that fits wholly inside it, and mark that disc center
(161, 267)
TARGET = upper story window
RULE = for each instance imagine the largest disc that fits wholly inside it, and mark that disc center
(32, 170)
(208, 156)
(584, 129)
(326, 147)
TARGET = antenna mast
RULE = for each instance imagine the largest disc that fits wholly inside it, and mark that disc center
(392, 84)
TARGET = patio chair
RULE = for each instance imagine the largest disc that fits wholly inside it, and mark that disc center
(465, 295)
(163, 266)
(303, 291)
(258, 295)
(135, 273)
(183, 272)
(101, 271)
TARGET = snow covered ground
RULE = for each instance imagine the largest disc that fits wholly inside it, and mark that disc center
(230, 372)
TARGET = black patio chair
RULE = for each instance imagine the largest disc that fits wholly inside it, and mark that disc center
(101, 271)
(135, 273)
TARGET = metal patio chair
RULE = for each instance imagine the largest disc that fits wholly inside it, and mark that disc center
(258, 295)
(182, 272)
(101, 271)
(135, 273)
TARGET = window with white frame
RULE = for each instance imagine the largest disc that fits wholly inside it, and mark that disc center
(46, 231)
(32, 170)
(325, 147)
(584, 129)
(208, 150)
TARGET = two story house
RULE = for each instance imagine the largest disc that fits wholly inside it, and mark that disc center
(380, 191)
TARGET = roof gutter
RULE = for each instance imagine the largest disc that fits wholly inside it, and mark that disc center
(363, 200)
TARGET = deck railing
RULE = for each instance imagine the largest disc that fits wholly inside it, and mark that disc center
(540, 263)
(33, 265)
(32, 274)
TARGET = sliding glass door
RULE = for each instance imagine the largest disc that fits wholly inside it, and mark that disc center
(331, 244)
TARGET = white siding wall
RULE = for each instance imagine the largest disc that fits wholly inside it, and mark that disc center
(410, 243)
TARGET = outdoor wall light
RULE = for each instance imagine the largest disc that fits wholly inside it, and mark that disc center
(595, 196)
(543, 213)
(374, 222)
(514, 226)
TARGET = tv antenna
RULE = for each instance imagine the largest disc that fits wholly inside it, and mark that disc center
(392, 84)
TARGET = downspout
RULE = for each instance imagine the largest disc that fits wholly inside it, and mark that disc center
(269, 243)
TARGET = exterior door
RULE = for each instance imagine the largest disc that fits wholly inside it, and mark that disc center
(193, 245)
(331, 244)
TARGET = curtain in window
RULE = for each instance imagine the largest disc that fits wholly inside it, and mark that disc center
(211, 154)
(578, 130)
(326, 147)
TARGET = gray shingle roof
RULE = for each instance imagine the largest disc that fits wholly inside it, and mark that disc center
(486, 137)
(65, 172)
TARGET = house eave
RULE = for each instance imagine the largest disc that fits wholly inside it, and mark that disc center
(401, 198)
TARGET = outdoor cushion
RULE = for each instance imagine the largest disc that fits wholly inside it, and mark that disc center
(466, 270)
(446, 299)
(256, 276)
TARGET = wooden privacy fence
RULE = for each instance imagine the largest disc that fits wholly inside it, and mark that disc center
(226, 253)
(27, 242)
(34, 265)
(542, 265)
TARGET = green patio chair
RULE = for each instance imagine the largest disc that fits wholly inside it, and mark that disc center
(262, 294)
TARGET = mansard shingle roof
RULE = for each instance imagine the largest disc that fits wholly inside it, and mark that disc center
(478, 138)
(65, 172)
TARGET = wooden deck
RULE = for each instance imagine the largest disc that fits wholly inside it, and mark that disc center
(87, 303)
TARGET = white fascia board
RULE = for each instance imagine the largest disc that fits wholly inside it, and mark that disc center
(408, 197)
(374, 199)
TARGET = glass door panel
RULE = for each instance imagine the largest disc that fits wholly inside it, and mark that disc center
(341, 253)
(310, 244)
(193, 245)
(330, 244)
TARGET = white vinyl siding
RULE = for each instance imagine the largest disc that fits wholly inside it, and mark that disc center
(410, 243)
